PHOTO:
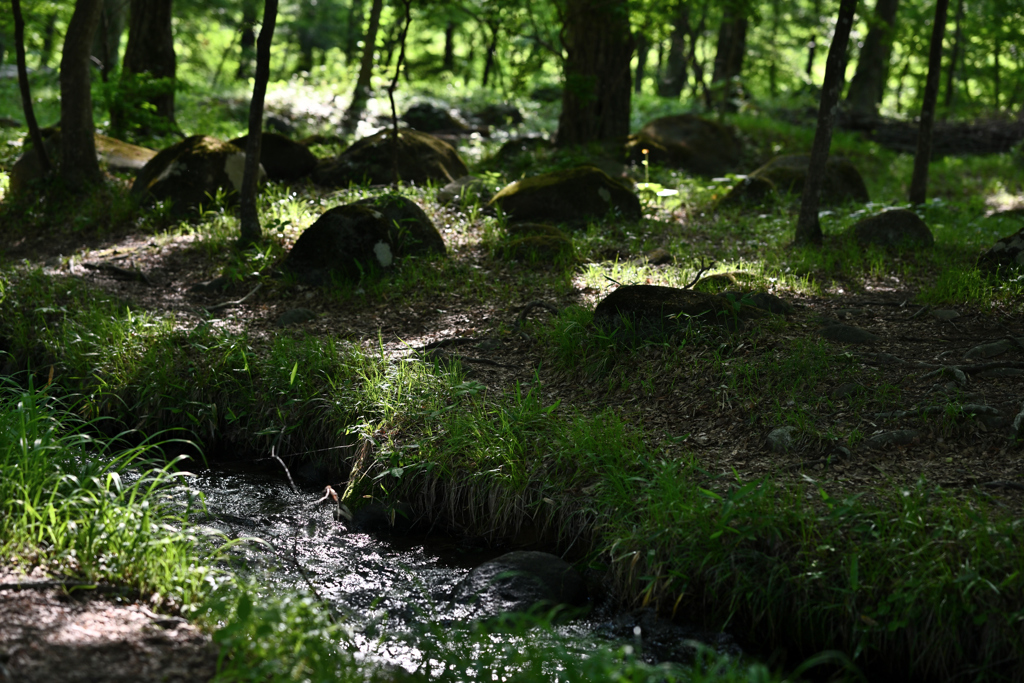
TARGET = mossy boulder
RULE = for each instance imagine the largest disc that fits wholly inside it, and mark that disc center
(500, 115)
(191, 172)
(282, 158)
(576, 195)
(537, 244)
(899, 229)
(516, 147)
(421, 157)
(350, 241)
(749, 193)
(688, 142)
(116, 155)
(410, 230)
(841, 183)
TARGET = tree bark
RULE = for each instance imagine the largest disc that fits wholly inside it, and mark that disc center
(150, 51)
(643, 46)
(808, 229)
(954, 58)
(492, 50)
(595, 100)
(732, 44)
(673, 78)
(812, 44)
(448, 62)
(868, 84)
(79, 167)
(106, 42)
(26, 95)
(362, 90)
(919, 182)
(249, 218)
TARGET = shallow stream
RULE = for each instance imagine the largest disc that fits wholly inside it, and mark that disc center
(393, 593)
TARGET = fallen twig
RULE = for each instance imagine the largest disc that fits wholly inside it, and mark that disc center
(239, 302)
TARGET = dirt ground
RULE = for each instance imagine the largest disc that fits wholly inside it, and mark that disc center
(48, 635)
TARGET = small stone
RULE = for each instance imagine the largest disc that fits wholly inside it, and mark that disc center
(899, 437)
(295, 316)
(848, 334)
(780, 439)
(944, 314)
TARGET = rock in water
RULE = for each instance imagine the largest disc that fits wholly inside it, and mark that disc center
(519, 581)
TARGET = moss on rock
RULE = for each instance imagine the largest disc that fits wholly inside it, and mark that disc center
(841, 183)
(421, 157)
(575, 195)
(688, 142)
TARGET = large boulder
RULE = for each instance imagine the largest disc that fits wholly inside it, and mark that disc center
(1006, 255)
(430, 118)
(282, 158)
(350, 241)
(576, 195)
(191, 172)
(410, 230)
(653, 310)
(894, 229)
(536, 244)
(688, 142)
(518, 146)
(421, 157)
(749, 193)
(841, 183)
(500, 115)
(520, 581)
(116, 155)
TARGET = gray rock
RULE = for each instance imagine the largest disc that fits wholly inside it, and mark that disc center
(780, 439)
(899, 437)
(519, 581)
(1007, 255)
(281, 157)
(650, 311)
(576, 195)
(421, 158)
(990, 350)
(848, 334)
(295, 316)
(701, 146)
(841, 182)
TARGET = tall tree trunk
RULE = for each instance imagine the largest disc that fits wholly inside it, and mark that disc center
(106, 43)
(673, 78)
(954, 58)
(150, 51)
(26, 95)
(868, 84)
(492, 51)
(595, 100)
(247, 41)
(919, 182)
(995, 72)
(46, 53)
(362, 90)
(808, 229)
(448, 63)
(643, 46)
(353, 30)
(812, 44)
(249, 218)
(391, 89)
(732, 44)
(78, 165)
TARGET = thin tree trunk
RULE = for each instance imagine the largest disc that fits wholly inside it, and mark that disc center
(362, 90)
(642, 48)
(596, 97)
(995, 74)
(954, 58)
(251, 232)
(492, 49)
(808, 229)
(919, 182)
(812, 44)
(394, 84)
(355, 24)
(26, 95)
(732, 44)
(673, 78)
(868, 84)
(48, 33)
(448, 63)
(247, 42)
(78, 165)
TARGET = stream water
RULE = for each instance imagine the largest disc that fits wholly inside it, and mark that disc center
(394, 592)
